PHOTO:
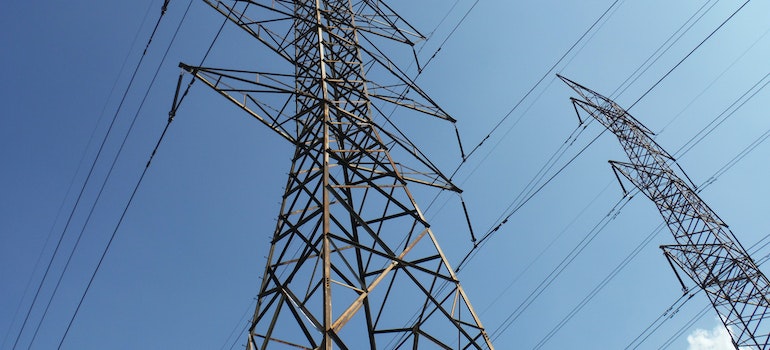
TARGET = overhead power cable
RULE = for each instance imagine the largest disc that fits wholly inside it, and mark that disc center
(690, 53)
(640, 98)
(684, 328)
(451, 33)
(540, 81)
(726, 114)
(575, 52)
(107, 177)
(655, 325)
(559, 153)
(242, 325)
(542, 252)
(753, 145)
(563, 264)
(81, 165)
(172, 113)
(551, 162)
(87, 181)
(663, 48)
(750, 148)
(713, 81)
(603, 283)
(234, 331)
(473, 250)
(177, 100)
(421, 68)
(443, 19)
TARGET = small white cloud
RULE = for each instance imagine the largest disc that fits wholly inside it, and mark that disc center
(716, 339)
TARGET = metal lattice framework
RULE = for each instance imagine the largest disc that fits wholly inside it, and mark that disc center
(706, 250)
(353, 262)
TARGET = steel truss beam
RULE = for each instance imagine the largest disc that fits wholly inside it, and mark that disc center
(353, 262)
(706, 250)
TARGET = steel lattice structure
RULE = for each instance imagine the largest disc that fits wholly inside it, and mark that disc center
(706, 250)
(353, 262)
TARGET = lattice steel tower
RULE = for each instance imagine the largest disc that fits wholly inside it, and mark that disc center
(353, 262)
(706, 250)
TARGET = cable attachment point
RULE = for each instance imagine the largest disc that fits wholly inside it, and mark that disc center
(165, 7)
(468, 220)
(187, 68)
(459, 142)
(175, 102)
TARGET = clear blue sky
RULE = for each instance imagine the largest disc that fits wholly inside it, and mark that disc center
(188, 258)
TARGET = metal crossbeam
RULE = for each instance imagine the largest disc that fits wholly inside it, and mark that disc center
(353, 262)
(706, 250)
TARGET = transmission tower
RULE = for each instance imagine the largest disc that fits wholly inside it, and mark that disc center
(353, 262)
(706, 250)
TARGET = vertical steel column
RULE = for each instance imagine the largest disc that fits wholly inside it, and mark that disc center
(327, 279)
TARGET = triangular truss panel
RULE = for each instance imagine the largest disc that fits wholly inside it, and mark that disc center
(353, 262)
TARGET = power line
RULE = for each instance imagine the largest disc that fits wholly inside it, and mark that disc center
(660, 51)
(724, 115)
(603, 283)
(640, 98)
(473, 251)
(451, 33)
(443, 19)
(234, 333)
(560, 152)
(655, 325)
(598, 24)
(557, 155)
(139, 181)
(717, 78)
(684, 328)
(529, 92)
(81, 165)
(500, 223)
(120, 221)
(690, 53)
(674, 309)
(85, 183)
(547, 247)
(109, 173)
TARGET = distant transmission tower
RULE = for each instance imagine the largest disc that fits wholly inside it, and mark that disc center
(353, 262)
(706, 249)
